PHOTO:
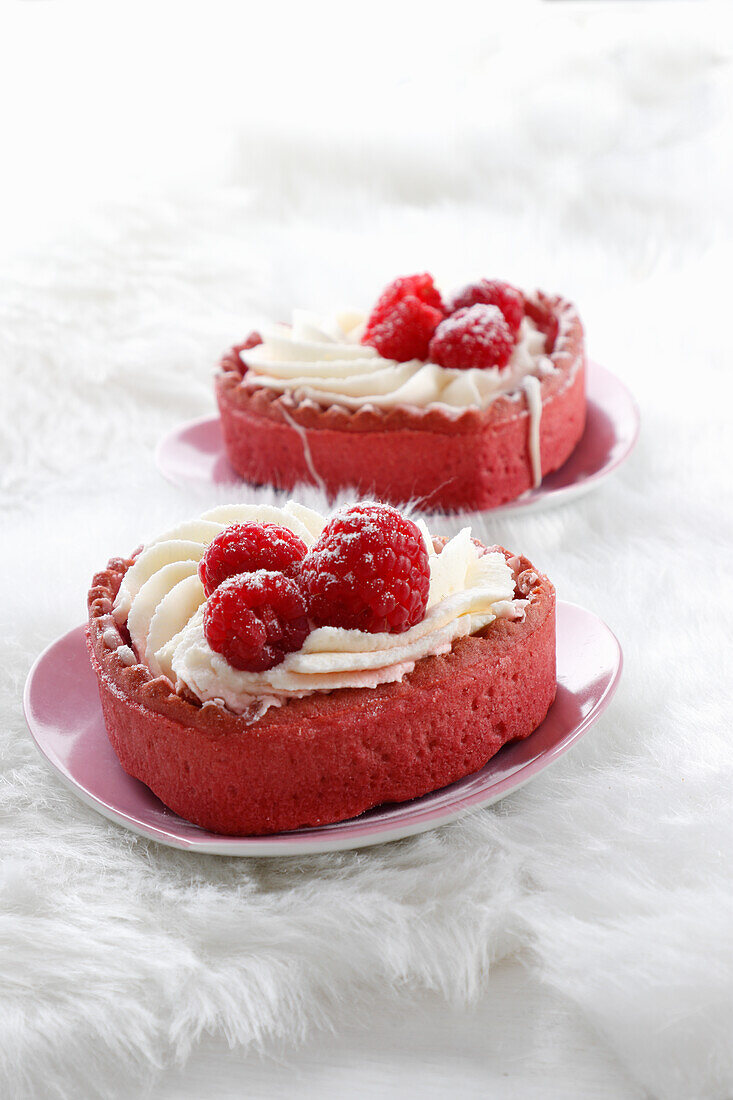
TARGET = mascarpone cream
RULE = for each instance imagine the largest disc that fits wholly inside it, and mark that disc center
(161, 599)
(324, 361)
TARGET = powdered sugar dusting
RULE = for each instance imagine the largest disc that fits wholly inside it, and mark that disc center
(126, 655)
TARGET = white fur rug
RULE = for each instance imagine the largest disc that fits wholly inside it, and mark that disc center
(610, 875)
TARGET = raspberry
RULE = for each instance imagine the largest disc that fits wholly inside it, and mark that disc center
(254, 619)
(490, 292)
(246, 547)
(474, 337)
(368, 571)
(414, 286)
(405, 331)
(404, 318)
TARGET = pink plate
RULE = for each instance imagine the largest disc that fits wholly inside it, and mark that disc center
(65, 718)
(194, 452)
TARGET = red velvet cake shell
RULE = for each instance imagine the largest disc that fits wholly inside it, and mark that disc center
(472, 459)
(326, 757)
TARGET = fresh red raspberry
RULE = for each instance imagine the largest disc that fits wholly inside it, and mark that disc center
(254, 619)
(413, 286)
(405, 331)
(490, 292)
(368, 571)
(404, 318)
(474, 337)
(246, 547)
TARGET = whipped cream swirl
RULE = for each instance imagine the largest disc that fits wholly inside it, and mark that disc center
(161, 599)
(324, 361)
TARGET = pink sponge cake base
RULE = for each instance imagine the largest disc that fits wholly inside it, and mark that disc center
(326, 757)
(470, 459)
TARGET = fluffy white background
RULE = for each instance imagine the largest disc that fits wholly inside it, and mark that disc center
(586, 151)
